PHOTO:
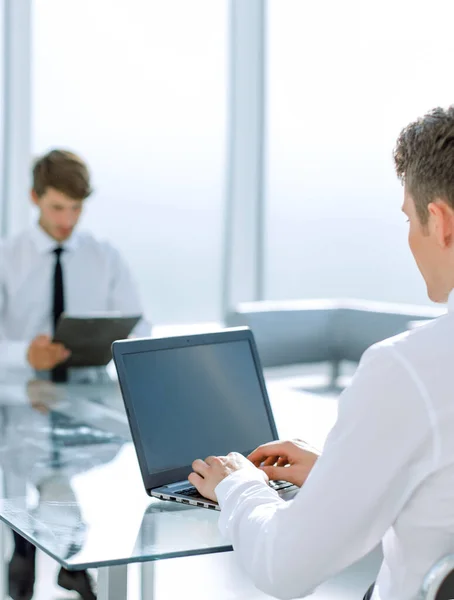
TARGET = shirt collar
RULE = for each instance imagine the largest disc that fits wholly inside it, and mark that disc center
(451, 302)
(45, 243)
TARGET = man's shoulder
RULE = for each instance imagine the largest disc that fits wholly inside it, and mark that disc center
(88, 241)
(99, 251)
(12, 245)
(419, 347)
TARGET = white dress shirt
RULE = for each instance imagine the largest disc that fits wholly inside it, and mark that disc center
(386, 474)
(95, 279)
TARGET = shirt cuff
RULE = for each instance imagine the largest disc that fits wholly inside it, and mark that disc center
(236, 483)
(243, 486)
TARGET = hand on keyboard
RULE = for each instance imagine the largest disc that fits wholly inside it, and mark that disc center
(285, 461)
(210, 472)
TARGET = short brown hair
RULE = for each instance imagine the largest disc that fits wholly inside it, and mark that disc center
(424, 159)
(63, 171)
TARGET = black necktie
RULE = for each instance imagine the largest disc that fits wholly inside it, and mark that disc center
(59, 374)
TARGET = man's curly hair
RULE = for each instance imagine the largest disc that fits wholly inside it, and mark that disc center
(424, 159)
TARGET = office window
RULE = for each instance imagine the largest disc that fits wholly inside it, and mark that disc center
(138, 88)
(343, 79)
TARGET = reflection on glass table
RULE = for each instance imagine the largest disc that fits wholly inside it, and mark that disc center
(39, 453)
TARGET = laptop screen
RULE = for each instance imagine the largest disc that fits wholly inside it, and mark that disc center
(194, 401)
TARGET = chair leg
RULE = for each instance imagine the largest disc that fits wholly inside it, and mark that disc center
(335, 372)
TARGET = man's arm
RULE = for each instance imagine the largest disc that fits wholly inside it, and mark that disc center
(12, 353)
(353, 494)
(124, 296)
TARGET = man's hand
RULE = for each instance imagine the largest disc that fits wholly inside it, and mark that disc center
(43, 354)
(211, 471)
(286, 461)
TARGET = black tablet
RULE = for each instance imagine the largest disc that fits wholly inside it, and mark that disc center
(90, 337)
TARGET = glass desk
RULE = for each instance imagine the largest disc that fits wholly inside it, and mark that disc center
(70, 482)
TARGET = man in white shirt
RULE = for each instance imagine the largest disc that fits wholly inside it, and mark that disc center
(95, 276)
(48, 269)
(386, 472)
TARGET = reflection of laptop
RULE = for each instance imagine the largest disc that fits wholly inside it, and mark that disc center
(190, 397)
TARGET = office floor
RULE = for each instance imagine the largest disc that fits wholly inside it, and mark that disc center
(201, 578)
(208, 577)
(216, 576)
(46, 587)
(194, 578)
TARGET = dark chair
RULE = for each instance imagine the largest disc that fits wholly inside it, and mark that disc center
(439, 581)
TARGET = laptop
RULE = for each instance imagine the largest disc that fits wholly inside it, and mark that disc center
(189, 397)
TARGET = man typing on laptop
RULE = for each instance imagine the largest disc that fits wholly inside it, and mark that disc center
(387, 469)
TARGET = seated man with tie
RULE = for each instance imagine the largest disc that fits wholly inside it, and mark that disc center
(45, 270)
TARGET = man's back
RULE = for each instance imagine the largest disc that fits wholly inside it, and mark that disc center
(424, 529)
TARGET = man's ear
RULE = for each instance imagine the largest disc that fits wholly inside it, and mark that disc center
(441, 222)
(34, 197)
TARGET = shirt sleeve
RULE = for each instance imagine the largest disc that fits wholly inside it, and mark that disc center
(12, 353)
(372, 461)
(124, 296)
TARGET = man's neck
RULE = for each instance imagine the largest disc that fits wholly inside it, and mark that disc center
(43, 228)
(48, 233)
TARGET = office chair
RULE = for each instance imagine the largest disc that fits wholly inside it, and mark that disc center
(438, 584)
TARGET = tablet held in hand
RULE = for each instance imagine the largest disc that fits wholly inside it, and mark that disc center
(90, 337)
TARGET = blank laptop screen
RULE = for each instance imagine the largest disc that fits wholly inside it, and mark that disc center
(195, 401)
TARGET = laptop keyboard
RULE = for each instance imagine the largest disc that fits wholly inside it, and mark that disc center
(192, 493)
(280, 485)
(276, 485)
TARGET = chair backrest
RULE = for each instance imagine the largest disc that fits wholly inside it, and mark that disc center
(308, 331)
(438, 584)
(289, 333)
